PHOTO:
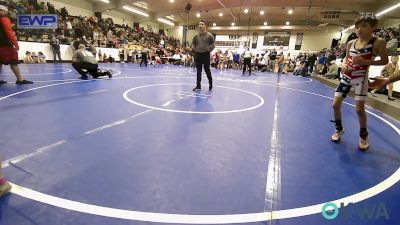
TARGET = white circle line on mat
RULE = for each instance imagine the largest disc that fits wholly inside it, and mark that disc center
(205, 219)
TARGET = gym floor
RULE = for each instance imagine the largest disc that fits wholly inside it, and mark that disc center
(142, 148)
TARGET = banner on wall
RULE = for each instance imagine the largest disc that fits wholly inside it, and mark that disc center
(227, 43)
(37, 21)
(254, 41)
(276, 38)
(299, 41)
(132, 46)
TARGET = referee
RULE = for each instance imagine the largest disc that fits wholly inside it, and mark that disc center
(203, 44)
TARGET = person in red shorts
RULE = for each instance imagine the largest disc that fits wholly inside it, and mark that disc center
(9, 46)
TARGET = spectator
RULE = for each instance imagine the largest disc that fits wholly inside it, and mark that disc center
(145, 56)
(28, 57)
(55, 48)
(100, 56)
(321, 63)
(35, 57)
(298, 69)
(42, 58)
(110, 59)
(389, 72)
(333, 72)
(121, 51)
(176, 59)
(64, 13)
(272, 57)
(247, 61)
(279, 63)
(110, 39)
(392, 44)
(311, 63)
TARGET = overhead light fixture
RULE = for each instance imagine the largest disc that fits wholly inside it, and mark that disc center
(214, 24)
(265, 23)
(135, 10)
(162, 20)
(287, 23)
(171, 17)
(233, 24)
(388, 10)
(198, 15)
(105, 1)
(221, 14)
(290, 11)
(172, 1)
(262, 12)
(246, 10)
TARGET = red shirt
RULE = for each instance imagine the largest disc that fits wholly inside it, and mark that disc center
(5, 28)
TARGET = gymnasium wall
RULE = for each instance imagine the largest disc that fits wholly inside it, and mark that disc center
(155, 26)
(313, 40)
(118, 17)
(66, 50)
(85, 8)
(176, 32)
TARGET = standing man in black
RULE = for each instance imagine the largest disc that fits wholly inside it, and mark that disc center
(145, 55)
(272, 58)
(203, 44)
(55, 47)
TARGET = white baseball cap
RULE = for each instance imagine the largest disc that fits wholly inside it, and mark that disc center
(3, 7)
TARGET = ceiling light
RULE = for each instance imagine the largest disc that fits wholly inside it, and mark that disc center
(379, 14)
(265, 23)
(388, 10)
(233, 24)
(287, 23)
(198, 15)
(135, 10)
(246, 10)
(261, 12)
(172, 1)
(290, 11)
(162, 20)
(105, 1)
(171, 17)
(221, 14)
(214, 24)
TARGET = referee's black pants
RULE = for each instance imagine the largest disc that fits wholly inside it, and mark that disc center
(203, 59)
